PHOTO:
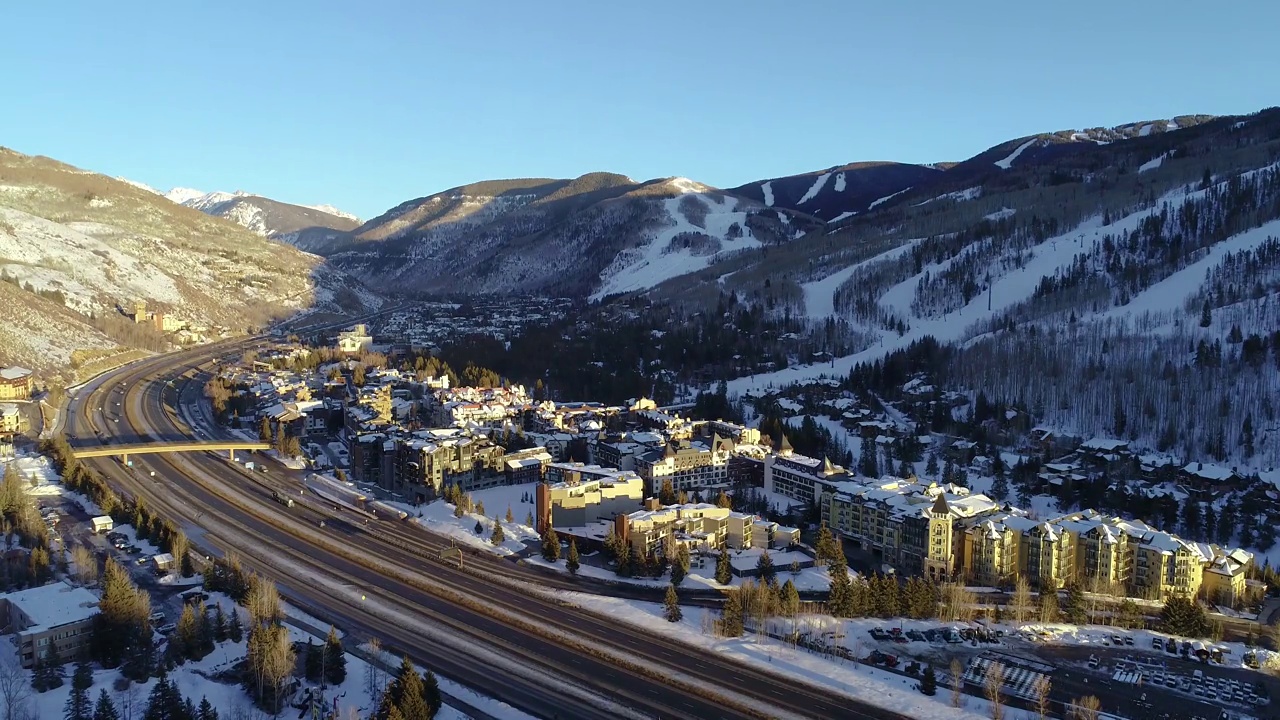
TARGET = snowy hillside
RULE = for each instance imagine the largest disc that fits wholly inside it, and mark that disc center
(78, 249)
(700, 226)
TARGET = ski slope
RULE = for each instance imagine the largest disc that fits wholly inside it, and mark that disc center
(819, 295)
(815, 188)
(1007, 163)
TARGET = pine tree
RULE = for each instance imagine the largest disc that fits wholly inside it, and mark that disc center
(82, 678)
(206, 711)
(764, 566)
(49, 672)
(1000, 488)
(431, 693)
(1206, 316)
(264, 430)
(671, 605)
(498, 536)
(105, 709)
(78, 705)
(550, 544)
(219, 624)
(235, 631)
(335, 660)
(667, 493)
(840, 600)
(311, 662)
(680, 566)
(929, 683)
(1074, 609)
(788, 599)
(825, 548)
(479, 528)
(724, 569)
(571, 562)
(731, 615)
(511, 518)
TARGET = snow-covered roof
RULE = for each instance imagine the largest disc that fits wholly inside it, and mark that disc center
(1208, 471)
(51, 606)
(1106, 444)
(14, 373)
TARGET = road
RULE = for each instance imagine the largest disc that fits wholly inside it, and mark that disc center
(224, 509)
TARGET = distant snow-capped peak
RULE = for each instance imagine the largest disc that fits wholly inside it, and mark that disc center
(333, 211)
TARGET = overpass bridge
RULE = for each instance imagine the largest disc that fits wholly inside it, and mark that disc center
(125, 450)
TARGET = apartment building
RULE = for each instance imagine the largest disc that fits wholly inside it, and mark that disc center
(355, 339)
(580, 500)
(948, 532)
(799, 477)
(60, 613)
(689, 465)
(428, 460)
(16, 383)
(10, 419)
(700, 527)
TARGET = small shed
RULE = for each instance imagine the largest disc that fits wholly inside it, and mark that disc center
(163, 561)
(103, 523)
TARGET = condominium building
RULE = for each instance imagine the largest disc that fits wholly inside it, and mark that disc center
(578, 496)
(689, 465)
(798, 477)
(16, 383)
(700, 527)
(947, 532)
(59, 614)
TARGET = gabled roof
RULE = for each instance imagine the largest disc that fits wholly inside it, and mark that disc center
(940, 505)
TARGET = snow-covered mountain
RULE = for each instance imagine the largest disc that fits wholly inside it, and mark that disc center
(309, 227)
(77, 248)
(594, 235)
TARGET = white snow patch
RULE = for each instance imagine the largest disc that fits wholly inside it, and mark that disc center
(1006, 163)
(1146, 130)
(815, 188)
(767, 189)
(819, 295)
(331, 210)
(958, 196)
(648, 265)
(844, 215)
(1000, 214)
(140, 186)
(839, 182)
(1169, 293)
(887, 198)
(1153, 163)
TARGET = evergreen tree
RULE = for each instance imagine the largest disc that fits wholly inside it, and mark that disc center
(1206, 317)
(1074, 609)
(206, 710)
(82, 678)
(667, 493)
(827, 548)
(235, 631)
(105, 709)
(731, 615)
(724, 569)
(121, 622)
(550, 544)
(311, 662)
(789, 599)
(867, 460)
(764, 566)
(479, 529)
(498, 536)
(680, 566)
(929, 683)
(571, 562)
(840, 600)
(78, 705)
(931, 466)
(264, 430)
(431, 693)
(1183, 616)
(335, 660)
(219, 624)
(49, 672)
(671, 605)
(1000, 488)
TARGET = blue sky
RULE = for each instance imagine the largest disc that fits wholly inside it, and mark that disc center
(365, 105)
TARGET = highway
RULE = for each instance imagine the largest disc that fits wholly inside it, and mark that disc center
(393, 565)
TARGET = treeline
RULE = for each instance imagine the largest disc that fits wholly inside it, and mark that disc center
(24, 527)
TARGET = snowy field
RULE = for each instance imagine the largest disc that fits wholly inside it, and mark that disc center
(438, 518)
(861, 682)
(819, 295)
(702, 572)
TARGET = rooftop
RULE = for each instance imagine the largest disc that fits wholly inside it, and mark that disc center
(51, 606)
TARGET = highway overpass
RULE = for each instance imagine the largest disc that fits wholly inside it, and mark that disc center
(125, 450)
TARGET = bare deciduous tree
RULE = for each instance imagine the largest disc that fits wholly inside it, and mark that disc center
(993, 686)
(957, 682)
(15, 689)
(1020, 603)
(1087, 708)
(86, 565)
(1040, 690)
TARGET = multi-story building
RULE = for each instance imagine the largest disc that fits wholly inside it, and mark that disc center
(430, 459)
(16, 383)
(689, 465)
(58, 614)
(525, 466)
(1050, 555)
(1224, 578)
(10, 419)
(993, 549)
(355, 339)
(798, 477)
(582, 496)
(700, 527)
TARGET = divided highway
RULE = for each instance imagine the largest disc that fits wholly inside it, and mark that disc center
(393, 564)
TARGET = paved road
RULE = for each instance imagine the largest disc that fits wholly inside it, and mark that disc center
(264, 532)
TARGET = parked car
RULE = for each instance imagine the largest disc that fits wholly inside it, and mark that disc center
(1157, 644)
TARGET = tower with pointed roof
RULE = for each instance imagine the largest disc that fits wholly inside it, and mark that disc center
(938, 556)
(785, 449)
